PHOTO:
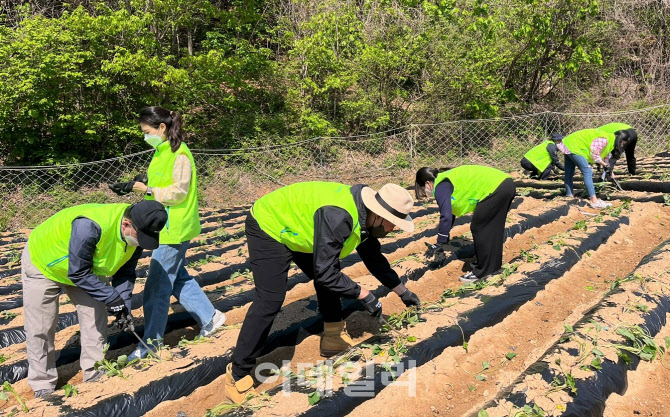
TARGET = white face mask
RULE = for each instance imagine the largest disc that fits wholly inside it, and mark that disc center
(153, 140)
(131, 241)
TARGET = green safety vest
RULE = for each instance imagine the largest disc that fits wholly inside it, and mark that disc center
(539, 157)
(49, 243)
(614, 127)
(183, 223)
(472, 184)
(579, 142)
(287, 214)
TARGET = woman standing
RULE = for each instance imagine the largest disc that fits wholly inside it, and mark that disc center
(172, 182)
(483, 191)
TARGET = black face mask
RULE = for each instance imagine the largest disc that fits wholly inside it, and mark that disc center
(378, 231)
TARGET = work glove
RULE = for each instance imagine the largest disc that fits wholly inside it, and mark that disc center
(410, 299)
(124, 322)
(123, 188)
(116, 306)
(143, 178)
(436, 251)
(373, 306)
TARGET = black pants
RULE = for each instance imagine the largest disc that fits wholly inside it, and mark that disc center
(270, 262)
(488, 228)
(534, 172)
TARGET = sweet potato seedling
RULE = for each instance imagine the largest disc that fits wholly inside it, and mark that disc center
(7, 388)
(70, 390)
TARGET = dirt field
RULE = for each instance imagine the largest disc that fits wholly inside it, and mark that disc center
(575, 323)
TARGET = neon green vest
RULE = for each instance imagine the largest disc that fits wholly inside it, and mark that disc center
(49, 243)
(472, 184)
(183, 222)
(614, 127)
(287, 214)
(579, 142)
(539, 157)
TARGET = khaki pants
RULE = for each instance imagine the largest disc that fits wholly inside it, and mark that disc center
(40, 306)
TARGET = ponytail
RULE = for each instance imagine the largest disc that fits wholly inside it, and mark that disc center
(174, 131)
(154, 116)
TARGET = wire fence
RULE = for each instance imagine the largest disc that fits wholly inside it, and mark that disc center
(228, 177)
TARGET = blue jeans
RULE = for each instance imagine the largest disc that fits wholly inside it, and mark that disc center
(572, 160)
(168, 276)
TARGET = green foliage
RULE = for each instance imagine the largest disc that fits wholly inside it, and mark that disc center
(70, 390)
(7, 388)
(245, 73)
(198, 340)
(8, 315)
(112, 367)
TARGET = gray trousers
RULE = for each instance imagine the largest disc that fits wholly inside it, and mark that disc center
(40, 307)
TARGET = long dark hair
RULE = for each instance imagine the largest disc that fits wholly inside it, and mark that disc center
(154, 116)
(424, 175)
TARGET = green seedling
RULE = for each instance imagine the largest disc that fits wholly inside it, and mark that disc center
(245, 274)
(643, 345)
(253, 402)
(580, 225)
(7, 388)
(221, 233)
(482, 413)
(8, 315)
(3, 358)
(406, 258)
(524, 191)
(13, 258)
(158, 351)
(112, 368)
(70, 390)
(666, 199)
(510, 356)
(398, 321)
(198, 340)
(563, 383)
(204, 261)
(529, 257)
(528, 411)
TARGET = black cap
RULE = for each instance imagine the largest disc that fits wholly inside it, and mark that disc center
(556, 137)
(149, 218)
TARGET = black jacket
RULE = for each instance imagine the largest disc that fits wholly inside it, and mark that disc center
(332, 227)
(553, 153)
(85, 235)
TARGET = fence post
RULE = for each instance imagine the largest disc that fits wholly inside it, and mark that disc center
(412, 140)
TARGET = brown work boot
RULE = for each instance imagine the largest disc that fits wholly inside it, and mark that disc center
(237, 391)
(335, 339)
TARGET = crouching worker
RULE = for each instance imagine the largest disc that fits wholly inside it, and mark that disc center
(315, 224)
(543, 158)
(483, 191)
(72, 251)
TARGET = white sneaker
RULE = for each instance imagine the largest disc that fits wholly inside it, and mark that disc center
(217, 321)
(600, 204)
(468, 278)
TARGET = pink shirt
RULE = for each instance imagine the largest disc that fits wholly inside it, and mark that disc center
(597, 147)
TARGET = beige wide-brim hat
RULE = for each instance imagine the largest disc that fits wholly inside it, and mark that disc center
(392, 202)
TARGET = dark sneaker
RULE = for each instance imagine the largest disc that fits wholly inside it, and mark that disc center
(95, 377)
(40, 393)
